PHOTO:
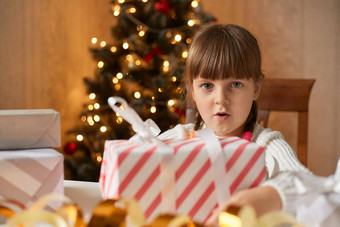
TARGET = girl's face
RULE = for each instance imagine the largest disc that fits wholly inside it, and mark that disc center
(225, 104)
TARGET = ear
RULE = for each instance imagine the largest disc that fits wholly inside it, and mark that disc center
(257, 91)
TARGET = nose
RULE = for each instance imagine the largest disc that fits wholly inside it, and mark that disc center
(221, 96)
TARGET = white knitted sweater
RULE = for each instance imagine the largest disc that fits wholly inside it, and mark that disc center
(280, 160)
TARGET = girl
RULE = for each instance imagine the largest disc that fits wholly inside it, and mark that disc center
(224, 78)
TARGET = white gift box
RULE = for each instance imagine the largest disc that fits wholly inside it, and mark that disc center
(31, 128)
(26, 175)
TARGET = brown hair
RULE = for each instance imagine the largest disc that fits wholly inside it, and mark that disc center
(220, 52)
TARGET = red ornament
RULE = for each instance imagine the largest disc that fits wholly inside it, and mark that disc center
(163, 6)
(70, 148)
(180, 112)
(153, 52)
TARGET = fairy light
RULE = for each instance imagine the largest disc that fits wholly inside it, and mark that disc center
(141, 33)
(171, 102)
(185, 54)
(90, 107)
(94, 40)
(118, 87)
(113, 49)
(144, 1)
(119, 120)
(99, 158)
(92, 96)
(100, 64)
(90, 120)
(96, 106)
(194, 4)
(173, 79)
(153, 98)
(125, 45)
(115, 80)
(102, 43)
(168, 35)
(121, 1)
(129, 57)
(103, 129)
(178, 38)
(166, 66)
(188, 40)
(96, 118)
(153, 109)
(138, 62)
(131, 10)
(137, 95)
(80, 137)
(116, 10)
(191, 23)
(83, 118)
(119, 75)
(160, 90)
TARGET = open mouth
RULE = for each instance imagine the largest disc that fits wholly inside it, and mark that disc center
(222, 116)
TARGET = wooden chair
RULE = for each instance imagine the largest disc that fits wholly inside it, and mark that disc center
(287, 95)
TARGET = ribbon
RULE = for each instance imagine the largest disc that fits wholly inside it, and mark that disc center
(320, 197)
(217, 159)
(145, 130)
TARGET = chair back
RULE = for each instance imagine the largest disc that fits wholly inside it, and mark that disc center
(287, 95)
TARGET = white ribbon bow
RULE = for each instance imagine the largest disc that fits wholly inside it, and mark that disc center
(145, 130)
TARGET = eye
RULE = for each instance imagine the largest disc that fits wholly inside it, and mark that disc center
(236, 84)
(207, 86)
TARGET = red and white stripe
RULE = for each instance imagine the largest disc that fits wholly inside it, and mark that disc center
(133, 169)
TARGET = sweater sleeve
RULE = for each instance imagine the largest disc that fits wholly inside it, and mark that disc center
(281, 162)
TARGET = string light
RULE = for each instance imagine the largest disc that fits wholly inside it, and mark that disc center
(178, 38)
(138, 62)
(121, 1)
(141, 33)
(125, 45)
(103, 129)
(171, 102)
(194, 4)
(92, 96)
(137, 94)
(185, 54)
(94, 40)
(118, 87)
(99, 158)
(83, 118)
(153, 109)
(191, 23)
(131, 10)
(113, 49)
(90, 107)
(96, 118)
(80, 137)
(116, 10)
(188, 40)
(90, 120)
(160, 90)
(129, 57)
(119, 75)
(119, 120)
(102, 43)
(173, 79)
(115, 80)
(100, 64)
(144, 1)
(166, 66)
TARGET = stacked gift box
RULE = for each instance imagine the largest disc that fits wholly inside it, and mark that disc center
(29, 166)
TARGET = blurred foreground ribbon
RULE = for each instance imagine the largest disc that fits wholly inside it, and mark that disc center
(319, 200)
(108, 213)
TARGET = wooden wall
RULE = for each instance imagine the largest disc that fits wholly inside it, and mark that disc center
(44, 57)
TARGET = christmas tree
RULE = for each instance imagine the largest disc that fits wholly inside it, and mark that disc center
(144, 65)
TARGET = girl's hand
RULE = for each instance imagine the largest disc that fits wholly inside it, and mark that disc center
(263, 199)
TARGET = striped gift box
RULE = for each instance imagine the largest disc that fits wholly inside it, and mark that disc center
(134, 169)
(29, 174)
